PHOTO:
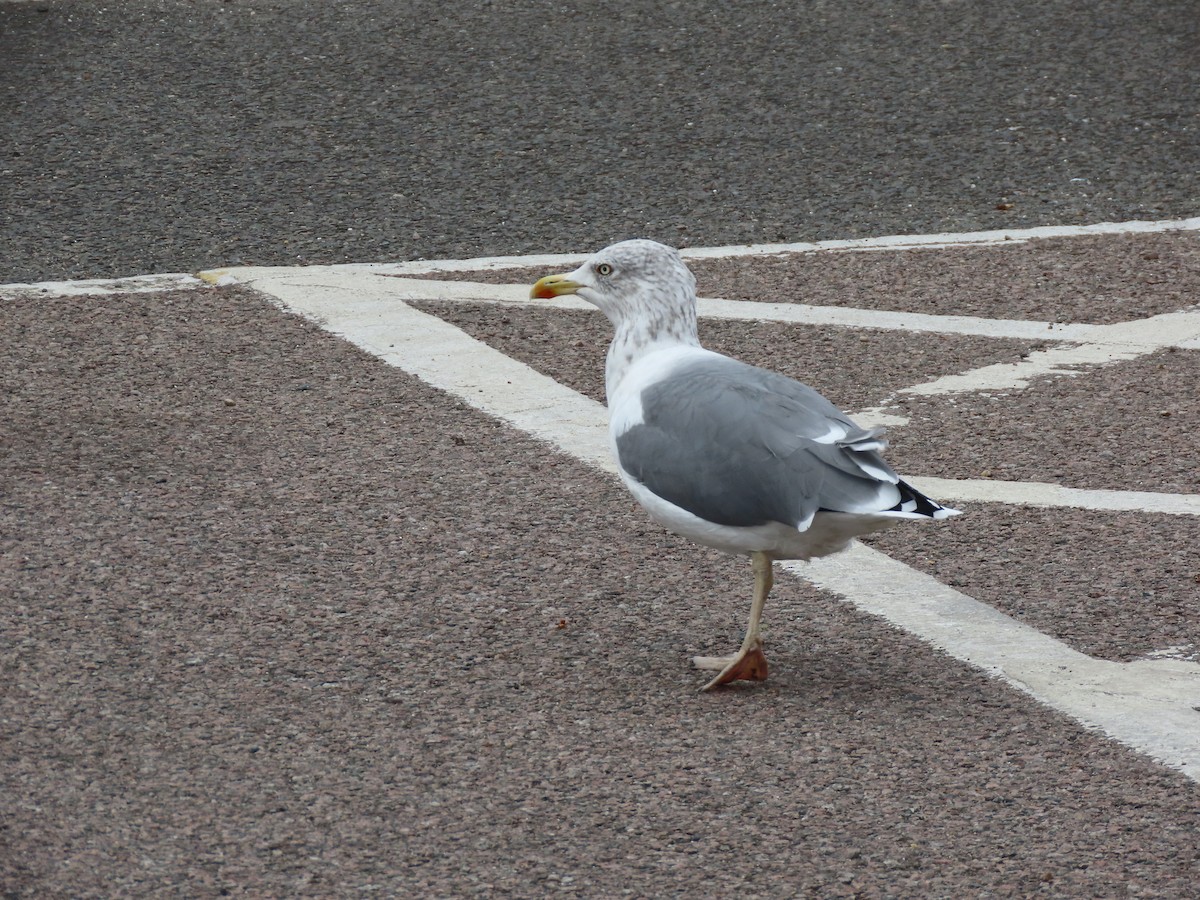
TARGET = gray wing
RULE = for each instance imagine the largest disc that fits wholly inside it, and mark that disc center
(738, 445)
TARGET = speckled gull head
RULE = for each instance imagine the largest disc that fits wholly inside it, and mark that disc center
(644, 289)
(633, 280)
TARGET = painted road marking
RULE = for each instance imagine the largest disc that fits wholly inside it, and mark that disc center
(1101, 345)
(1148, 705)
(756, 310)
(1048, 494)
(1010, 237)
(137, 284)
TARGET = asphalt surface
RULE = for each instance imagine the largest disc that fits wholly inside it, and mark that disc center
(283, 621)
(148, 137)
(277, 619)
(1126, 426)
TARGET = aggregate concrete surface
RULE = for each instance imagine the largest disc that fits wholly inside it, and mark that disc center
(569, 346)
(284, 621)
(1109, 278)
(278, 619)
(162, 136)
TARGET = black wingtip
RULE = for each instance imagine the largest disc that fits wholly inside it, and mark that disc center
(913, 501)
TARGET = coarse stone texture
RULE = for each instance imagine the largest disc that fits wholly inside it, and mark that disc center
(279, 620)
(1114, 585)
(1091, 279)
(1109, 278)
(1129, 425)
(153, 136)
(853, 367)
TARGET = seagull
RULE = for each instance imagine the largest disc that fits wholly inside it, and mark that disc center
(724, 453)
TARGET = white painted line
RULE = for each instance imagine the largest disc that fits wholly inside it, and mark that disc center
(879, 416)
(137, 284)
(753, 310)
(1105, 344)
(878, 319)
(1016, 376)
(1081, 345)
(361, 309)
(1000, 237)
(1094, 344)
(1179, 651)
(1147, 705)
(1165, 330)
(1044, 494)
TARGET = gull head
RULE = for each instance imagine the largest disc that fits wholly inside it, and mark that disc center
(635, 283)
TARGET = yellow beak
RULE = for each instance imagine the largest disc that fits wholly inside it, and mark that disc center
(553, 286)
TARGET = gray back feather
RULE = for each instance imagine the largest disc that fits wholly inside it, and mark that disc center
(737, 445)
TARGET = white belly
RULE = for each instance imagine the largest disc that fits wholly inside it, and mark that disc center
(828, 533)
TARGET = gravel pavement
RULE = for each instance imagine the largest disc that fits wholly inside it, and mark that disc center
(1109, 278)
(280, 620)
(159, 136)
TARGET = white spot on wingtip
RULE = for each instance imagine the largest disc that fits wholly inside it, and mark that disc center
(835, 433)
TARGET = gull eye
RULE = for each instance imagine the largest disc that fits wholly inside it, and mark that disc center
(604, 269)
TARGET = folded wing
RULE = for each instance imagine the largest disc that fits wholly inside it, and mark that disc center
(742, 446)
